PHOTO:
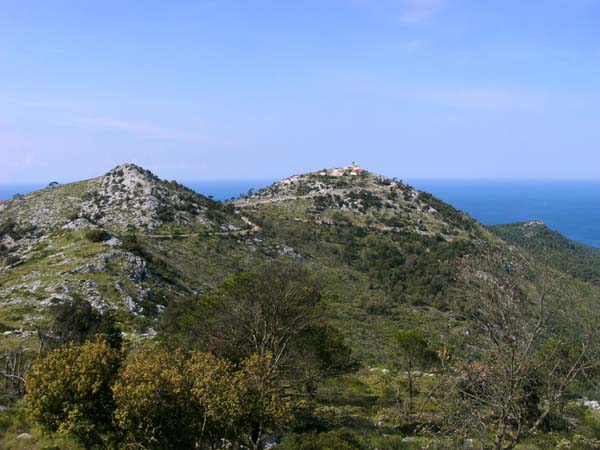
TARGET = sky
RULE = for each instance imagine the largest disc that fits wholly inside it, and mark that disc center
(262, 89)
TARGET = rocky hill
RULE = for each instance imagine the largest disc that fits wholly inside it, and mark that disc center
(356, 196)
(87, 239)
(127, 196)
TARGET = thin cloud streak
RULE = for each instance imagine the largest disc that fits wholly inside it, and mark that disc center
(484, 98)
(417, 11)
(138, 129)
(406, 11)
(44, 105)
(468, 97)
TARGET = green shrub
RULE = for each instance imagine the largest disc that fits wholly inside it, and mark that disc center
(10, 260)
(96, 235)
(333, 440)
(14, 230)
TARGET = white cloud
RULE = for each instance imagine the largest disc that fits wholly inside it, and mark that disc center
(138, 129)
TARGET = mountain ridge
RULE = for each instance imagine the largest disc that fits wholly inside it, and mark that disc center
(136, 244)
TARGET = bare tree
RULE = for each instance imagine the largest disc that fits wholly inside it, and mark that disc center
(532, 344)
(263, 312)
(14, 365)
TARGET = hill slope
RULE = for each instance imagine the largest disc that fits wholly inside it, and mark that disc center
(88, 238)
(388, 256)
(580, 260)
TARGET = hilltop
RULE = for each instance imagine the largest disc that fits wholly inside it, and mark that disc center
(86, 239)
(355, 195)
(126, 196)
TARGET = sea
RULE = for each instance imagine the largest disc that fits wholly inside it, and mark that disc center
(569, 207)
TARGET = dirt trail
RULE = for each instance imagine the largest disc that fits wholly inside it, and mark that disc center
(254, 228)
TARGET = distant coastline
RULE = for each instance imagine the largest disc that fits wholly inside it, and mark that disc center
(570, 207)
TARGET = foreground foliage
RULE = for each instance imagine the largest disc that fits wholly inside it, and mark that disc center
(69, 390)
(159, 399)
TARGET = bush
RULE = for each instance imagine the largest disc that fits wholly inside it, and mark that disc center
(69, 390)
(77, 321)
(10, 260)
(333, 440)
(166, 400)
(132, 245)
(14, 230)
(152, 402)
(96, 235)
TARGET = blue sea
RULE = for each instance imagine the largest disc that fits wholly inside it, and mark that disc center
(570, 207)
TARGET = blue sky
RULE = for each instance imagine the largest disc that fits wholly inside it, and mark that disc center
(256, 89)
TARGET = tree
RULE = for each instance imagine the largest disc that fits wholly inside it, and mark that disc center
(14, 365)
(185, 324)
(320, 351)
(69, 390)
(170, 400)
(77, 321)
(261, 400)
(153, 405)
(531, 349)
(382, 260)
(411, 352)
(214, 392)
(263, 312)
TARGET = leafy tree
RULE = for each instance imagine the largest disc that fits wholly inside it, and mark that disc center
(382, 260)
(183, 324)
(169, 400)
(320, 351)
(215, 398)
(333, 440)
(69, 390)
